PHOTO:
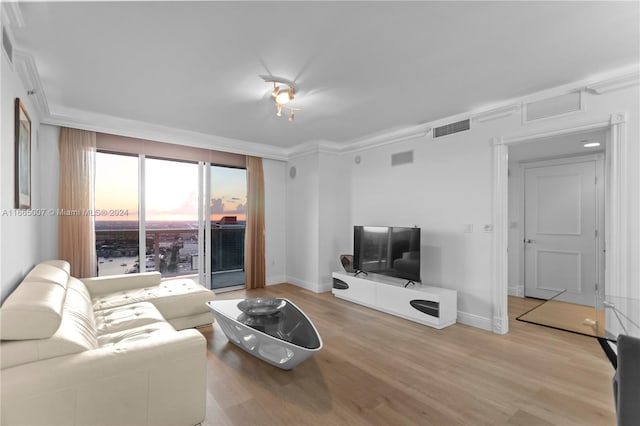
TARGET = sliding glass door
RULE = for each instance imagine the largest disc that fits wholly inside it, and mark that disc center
(171, 217)
(191, 219)
(117, 231)
(227, 215)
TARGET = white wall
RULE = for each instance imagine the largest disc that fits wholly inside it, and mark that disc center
(449, 185)
(334, 207)
(275, 220)
(318, 212)
(303, 222)
(49, 166)
(516, 273)
(20, 235)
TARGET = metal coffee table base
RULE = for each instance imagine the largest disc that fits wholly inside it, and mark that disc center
(272, 349)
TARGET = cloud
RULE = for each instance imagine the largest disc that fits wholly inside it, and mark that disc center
(188, 207)
(217, 206)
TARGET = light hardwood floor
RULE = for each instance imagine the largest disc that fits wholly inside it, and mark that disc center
(382, 370)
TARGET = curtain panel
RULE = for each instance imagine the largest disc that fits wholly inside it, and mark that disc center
(254, 248)
(76, 226)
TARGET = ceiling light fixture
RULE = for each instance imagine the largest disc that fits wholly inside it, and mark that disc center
(284, 91)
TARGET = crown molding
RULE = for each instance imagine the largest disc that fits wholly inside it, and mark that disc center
(69, 117)
(386, 138)
(314, 147)
(13, 14)
(25, 66)
(615, 83)
(496, 113)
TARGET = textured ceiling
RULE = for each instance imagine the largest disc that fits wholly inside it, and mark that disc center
(361, 67)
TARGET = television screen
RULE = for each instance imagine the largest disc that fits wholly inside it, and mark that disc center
(392, 251)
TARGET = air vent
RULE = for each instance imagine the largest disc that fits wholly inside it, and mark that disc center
(6, 45)
(449, 129)
(402, 158)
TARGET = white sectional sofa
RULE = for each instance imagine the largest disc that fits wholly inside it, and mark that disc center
(102, 351)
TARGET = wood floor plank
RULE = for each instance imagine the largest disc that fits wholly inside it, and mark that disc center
(378, 369)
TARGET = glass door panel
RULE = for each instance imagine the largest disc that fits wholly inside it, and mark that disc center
(116, 195)
(228, 200)
(171, 217)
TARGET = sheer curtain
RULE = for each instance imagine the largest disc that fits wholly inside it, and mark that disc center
(254, 259)
(76, 228)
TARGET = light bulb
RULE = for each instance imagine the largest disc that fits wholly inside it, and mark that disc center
(283, 97)
(291, 116)
(275, 91)
(279, 110)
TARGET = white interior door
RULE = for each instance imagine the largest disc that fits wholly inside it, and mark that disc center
(561, 236)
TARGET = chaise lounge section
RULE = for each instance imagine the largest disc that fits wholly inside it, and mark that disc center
(111, 350)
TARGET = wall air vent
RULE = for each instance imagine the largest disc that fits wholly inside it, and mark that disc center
(402, 158)
(6, 45)
(449, 129)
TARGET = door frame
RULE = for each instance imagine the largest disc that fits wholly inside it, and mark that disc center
(616, 202)
(598, 158)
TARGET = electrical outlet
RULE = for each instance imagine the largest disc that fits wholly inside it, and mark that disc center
(488, 227)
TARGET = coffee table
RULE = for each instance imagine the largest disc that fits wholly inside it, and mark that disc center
(283, 339)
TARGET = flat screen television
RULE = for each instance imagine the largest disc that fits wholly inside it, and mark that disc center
(388, 250)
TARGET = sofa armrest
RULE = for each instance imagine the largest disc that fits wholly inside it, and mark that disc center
(104, 285)
(158, 380)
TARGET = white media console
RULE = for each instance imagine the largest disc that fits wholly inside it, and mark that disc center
(433, 306)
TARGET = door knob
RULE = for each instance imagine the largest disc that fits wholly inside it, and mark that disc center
(528, 241)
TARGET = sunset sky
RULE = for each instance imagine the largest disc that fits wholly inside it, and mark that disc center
(171, 189)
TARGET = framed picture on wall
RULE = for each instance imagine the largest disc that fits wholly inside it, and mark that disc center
(22, 157)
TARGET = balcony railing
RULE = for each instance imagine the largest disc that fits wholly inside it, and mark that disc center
(173, 252)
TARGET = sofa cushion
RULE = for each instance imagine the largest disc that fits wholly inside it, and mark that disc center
(62, 264)
(32, 311)
(173, 298)
(76, 333)
(122, 338)
(48, 273)
(126, 317)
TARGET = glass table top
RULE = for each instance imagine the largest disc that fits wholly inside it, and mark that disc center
(605, 319)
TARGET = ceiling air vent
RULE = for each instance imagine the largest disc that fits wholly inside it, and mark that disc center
(448, 129)
(6, 45)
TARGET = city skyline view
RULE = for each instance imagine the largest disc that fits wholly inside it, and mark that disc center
(171, 190)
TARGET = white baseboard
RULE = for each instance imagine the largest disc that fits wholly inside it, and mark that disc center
(304, 284)
(314, 287)
(517, 291)
(278, 279)
(474, 321)
(324, 287)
